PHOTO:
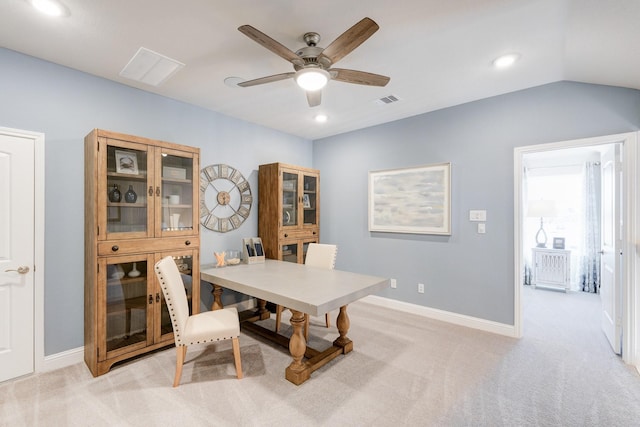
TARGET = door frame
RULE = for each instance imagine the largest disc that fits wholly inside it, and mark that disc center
(39, 235)
(630, 287)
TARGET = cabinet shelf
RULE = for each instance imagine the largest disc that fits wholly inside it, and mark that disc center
(126, 280)
(177, 180)
(142, 176)
(126, 205)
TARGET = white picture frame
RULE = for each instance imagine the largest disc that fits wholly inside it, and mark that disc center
(306, 202)
(413, 200)
(126, 162)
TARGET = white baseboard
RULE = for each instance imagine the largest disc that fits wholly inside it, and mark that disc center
(445, 316)
(63, 359)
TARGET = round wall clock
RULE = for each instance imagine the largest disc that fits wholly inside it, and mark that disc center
(225, 198)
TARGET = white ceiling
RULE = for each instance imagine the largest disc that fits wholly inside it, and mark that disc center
(438, 53)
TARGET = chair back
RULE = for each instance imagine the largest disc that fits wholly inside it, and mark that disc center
(321, 255)
(174, 294)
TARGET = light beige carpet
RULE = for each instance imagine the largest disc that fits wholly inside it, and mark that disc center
(404, 370)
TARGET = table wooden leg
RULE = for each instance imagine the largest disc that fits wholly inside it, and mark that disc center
(262, 311)
(297, 372)
(217, 297)
(343, 327)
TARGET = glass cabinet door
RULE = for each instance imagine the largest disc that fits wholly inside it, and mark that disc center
(125, 196)
(296, 251)
(188, 266)
(176, 170)
(289, 199)
(128, 301)
(310, 200)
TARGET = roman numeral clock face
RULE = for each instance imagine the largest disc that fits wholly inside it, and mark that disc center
(225, 198)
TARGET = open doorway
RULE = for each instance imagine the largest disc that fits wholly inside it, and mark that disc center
(567, 158)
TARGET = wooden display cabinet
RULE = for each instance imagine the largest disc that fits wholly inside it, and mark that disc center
(126, 234)
(288, 210)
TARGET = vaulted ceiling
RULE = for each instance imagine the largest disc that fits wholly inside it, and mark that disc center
(437, 53)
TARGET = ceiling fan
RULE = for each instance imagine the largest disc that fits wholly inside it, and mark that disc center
(312, 64)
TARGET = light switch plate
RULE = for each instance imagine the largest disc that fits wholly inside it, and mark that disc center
(477, 215)
(482, 229)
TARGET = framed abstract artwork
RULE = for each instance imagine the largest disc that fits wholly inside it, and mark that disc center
(411, 200)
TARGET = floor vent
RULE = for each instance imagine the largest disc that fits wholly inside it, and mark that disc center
(389, 99)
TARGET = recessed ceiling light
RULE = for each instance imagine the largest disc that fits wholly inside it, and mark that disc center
(321, 118)
(505, 61)
(50, 7)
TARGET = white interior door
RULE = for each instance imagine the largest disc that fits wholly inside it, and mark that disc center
(16, 255)
(611, 258)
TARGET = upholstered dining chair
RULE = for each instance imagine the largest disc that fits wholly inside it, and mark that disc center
(318, 255)
(199, 328)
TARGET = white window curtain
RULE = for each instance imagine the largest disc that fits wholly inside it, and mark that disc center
(589, 280)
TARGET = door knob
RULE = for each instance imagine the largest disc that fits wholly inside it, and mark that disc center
(21, 270)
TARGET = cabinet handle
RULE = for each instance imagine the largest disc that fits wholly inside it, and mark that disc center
(115, 248)
(151, 191)
(188, 242)
(157, 297)
(158, 191)
(286, 235)
(314, 233)
(150, 299)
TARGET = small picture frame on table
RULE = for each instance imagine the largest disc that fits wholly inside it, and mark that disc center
(306, 202)
(558, 243)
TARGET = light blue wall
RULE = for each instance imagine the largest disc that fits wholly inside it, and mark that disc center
(466, 273)
(65, 105)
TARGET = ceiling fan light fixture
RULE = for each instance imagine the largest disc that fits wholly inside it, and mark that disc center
(312, 79)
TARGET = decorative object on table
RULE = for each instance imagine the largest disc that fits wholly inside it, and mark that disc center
(130, 196)
(233, 257)
(225, 198)
(134, 271)
(541, 209)
(252, 250)
(114, 194)
(126, 162)
(558, 243)
(411, 200)
(219, 259)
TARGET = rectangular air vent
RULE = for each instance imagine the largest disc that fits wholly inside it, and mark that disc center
(150, 67)
(389, 99)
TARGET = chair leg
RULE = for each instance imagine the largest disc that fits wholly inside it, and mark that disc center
(236, 356)
(181, 352)
(327, 320)
(278, 317)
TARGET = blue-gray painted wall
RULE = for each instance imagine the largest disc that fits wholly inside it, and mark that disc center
(465, 273)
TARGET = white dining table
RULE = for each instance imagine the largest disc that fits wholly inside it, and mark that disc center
(303, 290)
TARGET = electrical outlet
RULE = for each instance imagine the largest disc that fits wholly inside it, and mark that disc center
(421, 288)
(394, 284)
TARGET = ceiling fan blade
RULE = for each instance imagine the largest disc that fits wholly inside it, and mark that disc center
(314, 98)
(268, 79)
(349, 40)
(269, 43)
(358, 77)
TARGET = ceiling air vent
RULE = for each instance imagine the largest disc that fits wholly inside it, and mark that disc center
(150, 67)
(389, 99)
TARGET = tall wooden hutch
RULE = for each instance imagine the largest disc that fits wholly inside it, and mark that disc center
(289, 210)
(141, 200)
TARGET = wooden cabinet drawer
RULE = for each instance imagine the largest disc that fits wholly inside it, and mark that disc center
(116, 247)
